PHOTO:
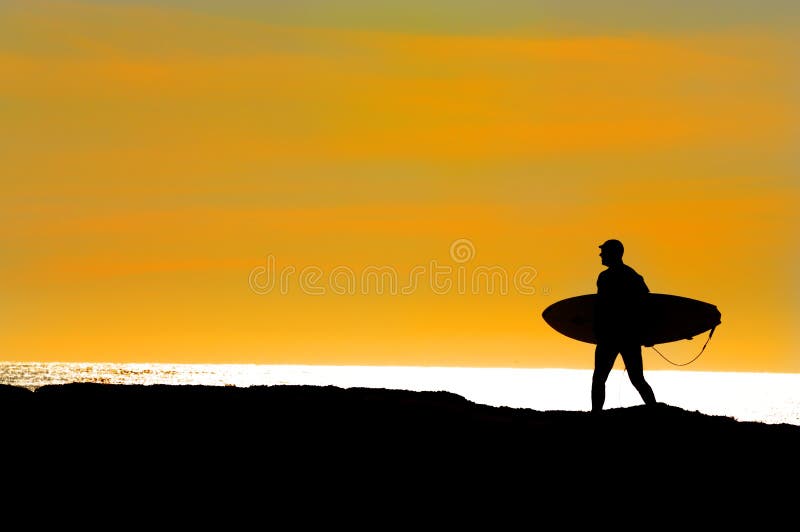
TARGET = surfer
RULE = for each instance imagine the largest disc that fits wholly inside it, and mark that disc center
(621, 294)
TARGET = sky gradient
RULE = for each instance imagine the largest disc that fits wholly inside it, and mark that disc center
(158, 155)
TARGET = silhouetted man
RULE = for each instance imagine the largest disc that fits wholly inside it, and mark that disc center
(621, 294)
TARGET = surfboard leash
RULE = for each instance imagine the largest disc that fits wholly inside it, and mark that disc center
(710, 334)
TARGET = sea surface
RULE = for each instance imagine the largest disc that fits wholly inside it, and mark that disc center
(764, 397)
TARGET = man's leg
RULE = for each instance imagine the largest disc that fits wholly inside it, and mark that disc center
(604, 356)
(632, 356)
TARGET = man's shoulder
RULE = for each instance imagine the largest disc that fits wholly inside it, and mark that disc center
(620, 270)
(620, 274)
(637, 278)
(630, 271)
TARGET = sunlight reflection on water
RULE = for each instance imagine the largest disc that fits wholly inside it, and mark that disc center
(766, 397)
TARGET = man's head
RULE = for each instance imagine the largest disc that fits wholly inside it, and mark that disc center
(611, 252)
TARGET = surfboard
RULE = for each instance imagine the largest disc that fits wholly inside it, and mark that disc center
(667, 318)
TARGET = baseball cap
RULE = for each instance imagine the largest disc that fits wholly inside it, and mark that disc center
(612, 245)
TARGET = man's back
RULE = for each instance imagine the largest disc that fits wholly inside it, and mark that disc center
(620, 281)
(621, 293)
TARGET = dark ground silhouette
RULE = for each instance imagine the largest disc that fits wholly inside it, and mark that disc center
(378, 445)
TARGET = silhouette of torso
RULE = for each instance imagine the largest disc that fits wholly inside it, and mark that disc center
(619, 312)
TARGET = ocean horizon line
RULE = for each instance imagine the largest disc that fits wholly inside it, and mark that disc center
(746, 396)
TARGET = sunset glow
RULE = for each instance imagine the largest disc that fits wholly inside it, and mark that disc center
(158, 155)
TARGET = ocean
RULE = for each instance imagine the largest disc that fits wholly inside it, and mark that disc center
(765, 397)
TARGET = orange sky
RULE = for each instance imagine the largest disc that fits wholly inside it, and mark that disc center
(154, 156)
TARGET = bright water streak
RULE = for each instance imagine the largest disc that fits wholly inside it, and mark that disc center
(766, 397)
